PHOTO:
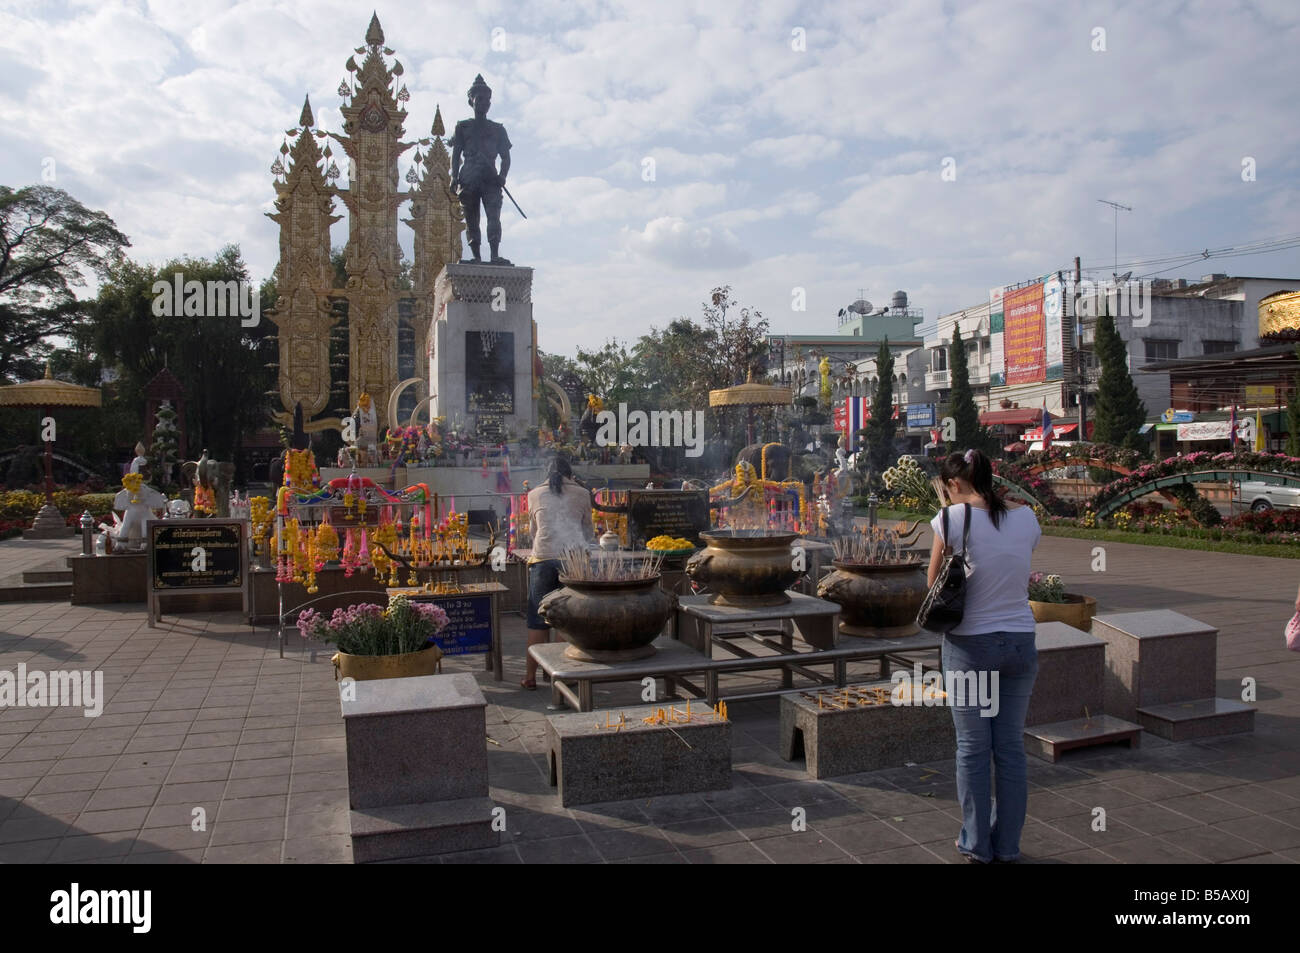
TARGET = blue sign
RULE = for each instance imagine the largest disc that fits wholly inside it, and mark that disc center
(469, 624)
(920, 415)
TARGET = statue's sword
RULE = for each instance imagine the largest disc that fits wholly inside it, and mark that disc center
(512, 200)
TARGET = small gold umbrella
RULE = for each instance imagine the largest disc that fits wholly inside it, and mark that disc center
(750, 395)
(47, 394)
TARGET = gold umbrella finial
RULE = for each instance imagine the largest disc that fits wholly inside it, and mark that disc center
(48, 375)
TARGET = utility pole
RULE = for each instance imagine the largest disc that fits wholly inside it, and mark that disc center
(1078, 354)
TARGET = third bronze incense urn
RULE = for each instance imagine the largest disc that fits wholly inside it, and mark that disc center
(745, 567)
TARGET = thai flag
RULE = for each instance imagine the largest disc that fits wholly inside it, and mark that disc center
(1047, 426)
(856, 414)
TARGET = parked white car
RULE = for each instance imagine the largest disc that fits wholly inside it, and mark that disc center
(1264, 496)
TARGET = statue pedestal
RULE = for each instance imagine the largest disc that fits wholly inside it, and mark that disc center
(481, 360)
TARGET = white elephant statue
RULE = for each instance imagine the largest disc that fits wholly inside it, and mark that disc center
(137, 507)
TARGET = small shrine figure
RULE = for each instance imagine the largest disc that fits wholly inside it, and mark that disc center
(205, 486)
(367, 422)
(140, 463)
(138, 504)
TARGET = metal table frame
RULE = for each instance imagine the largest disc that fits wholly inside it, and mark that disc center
(673, 661)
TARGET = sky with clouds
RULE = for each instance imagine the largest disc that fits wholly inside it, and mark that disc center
(794, 145)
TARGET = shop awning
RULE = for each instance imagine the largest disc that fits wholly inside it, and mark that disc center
(1059, 431)
(1013, 417)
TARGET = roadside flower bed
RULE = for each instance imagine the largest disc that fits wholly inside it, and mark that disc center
(1054, 457)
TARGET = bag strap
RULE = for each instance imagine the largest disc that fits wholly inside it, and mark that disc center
(965, 530)
(947, 543)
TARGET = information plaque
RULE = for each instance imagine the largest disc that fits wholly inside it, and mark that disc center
(654, 513)
(196, 556)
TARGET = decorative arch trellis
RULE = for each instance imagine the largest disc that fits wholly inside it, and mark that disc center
(1137, 477)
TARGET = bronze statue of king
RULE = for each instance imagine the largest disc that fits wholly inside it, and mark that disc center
(475, 146)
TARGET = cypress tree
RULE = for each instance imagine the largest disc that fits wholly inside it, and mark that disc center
(961, 402)
(881, 428)
(1119, 412)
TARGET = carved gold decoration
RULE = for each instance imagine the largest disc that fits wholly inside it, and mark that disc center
(373, 118)
(1279, 315)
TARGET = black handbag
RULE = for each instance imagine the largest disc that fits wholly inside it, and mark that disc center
(946, 601)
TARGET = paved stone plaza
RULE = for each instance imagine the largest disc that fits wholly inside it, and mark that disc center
(201, 713)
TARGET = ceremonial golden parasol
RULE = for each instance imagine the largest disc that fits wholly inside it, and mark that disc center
(47, 394)
(750, 395)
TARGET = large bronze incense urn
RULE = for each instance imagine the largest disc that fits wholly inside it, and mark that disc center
(745, 567)
(876, 600)
(608, 620)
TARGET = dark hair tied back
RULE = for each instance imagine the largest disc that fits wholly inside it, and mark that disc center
(977, 470)
(559, 469)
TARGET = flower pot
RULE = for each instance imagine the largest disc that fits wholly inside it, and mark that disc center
(427, 661)
(1076, 611)
(876, 601)
(608, 621)
(745, 567)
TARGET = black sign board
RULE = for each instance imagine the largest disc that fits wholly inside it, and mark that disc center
(490, 372)
(196, 554)
(654, 513)
(469, 624)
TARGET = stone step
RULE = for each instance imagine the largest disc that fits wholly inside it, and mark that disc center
(47, 575)
(1202, 718)
(420, 830)
(1049, 741)
(37, 592)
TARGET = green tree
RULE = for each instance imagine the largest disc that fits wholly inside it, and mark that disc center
(740, 339)
(1119, 413)
(882, 428)
(969, 434)
(222, 364)
(47, 240)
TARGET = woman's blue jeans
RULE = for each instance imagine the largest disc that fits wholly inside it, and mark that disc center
(991, 829)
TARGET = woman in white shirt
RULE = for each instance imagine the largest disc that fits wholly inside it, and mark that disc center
(992, 651)
(559, 514)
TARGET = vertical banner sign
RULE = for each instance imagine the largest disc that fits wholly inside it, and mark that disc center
(997, 354)
(1054, 320)
(1025, 344)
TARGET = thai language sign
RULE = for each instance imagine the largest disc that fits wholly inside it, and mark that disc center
(1026, 351)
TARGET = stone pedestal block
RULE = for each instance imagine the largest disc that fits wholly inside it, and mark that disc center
(117, 577)
(416, 739)
(1071, 674)
(1155, 657)
(417, 766)
(591, 762)
(838, 740)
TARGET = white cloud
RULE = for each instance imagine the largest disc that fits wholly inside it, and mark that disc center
(676, 242)
(794, 151)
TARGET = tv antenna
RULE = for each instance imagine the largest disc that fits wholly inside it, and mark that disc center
(1116, 206)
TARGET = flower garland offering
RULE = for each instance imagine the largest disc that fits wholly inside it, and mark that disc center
(669, 543)
(132, 483)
